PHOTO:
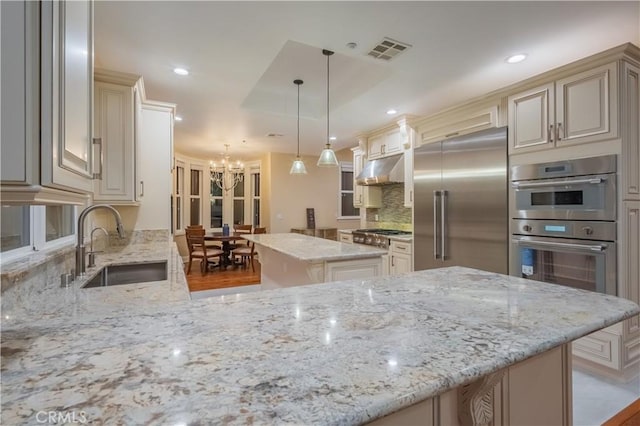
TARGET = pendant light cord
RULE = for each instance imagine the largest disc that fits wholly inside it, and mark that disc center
(328, 54)
(298, 155)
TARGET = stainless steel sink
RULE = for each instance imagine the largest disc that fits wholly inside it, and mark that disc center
(129, 273)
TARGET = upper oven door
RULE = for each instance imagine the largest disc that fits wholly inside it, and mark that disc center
(578, 198)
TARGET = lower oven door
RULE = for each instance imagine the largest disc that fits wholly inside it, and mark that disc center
(583, 264)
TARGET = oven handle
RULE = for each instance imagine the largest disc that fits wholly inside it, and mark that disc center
(555, 183)
(585, 247)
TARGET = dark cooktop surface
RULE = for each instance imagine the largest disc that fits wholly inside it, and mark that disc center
(382, 231)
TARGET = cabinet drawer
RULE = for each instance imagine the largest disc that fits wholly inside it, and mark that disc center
(346, 238)
(400, 247)
(599, 347)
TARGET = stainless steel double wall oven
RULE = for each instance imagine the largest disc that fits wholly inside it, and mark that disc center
(564, 227)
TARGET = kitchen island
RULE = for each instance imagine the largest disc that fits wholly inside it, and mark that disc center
(295, 259)
(425, 344)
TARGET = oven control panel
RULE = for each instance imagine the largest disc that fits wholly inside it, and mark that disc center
(587, 230)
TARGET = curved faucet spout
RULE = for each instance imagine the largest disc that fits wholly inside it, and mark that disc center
(80, 249)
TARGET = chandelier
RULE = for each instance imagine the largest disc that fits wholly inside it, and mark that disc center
(226, 175)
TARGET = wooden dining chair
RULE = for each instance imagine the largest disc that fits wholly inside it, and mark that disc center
(242, 229)
(199, 250)
(247, 253)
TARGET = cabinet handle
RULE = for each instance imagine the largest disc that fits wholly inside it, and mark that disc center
(383, 148)
(142, 188)
(550, 133)
(411, 196)
(392, 264)
(558, 132)
(98, 141)
(452, 134)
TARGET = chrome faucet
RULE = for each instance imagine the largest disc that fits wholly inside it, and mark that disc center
(80, 248)
(92, 252)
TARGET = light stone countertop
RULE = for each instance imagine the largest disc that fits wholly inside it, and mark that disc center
(25, 302)
(312, 249)
(334, 353)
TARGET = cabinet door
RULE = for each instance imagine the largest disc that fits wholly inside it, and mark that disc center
(587, 106)
(154, 179)
(531, 119)
(392, 143)
(629, 265)
(66, 94)
(346, 237)
(358, 162)
(630, 159)
(375, 147)
(400, 263)
(20, 82)
(114, 127)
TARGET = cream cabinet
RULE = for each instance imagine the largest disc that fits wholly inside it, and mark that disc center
(630, 159)
(385, 144)
(345, 237)
(630, 279)
(466, 120)
(116, 114)
(47, 67)
(400, 257)
(364, 196)
(577, 109)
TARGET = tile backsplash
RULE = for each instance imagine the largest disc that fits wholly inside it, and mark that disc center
(393, 214)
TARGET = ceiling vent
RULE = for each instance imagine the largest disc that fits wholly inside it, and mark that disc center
(387, 49)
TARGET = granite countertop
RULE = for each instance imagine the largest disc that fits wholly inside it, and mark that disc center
(334, 353)
(312, 249)
(53, 301)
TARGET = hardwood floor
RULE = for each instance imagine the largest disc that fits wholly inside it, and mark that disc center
(217, 279)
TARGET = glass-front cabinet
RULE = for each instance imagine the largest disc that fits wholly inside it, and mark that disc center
(47, 80)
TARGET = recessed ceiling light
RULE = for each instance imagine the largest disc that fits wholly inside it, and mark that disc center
(514, 59)
(332, 138)
(178, 118)
(391, 111)
(181, 71)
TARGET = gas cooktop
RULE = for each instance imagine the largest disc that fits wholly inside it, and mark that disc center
(381, 231)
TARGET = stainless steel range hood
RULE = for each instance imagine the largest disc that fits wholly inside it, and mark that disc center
(382, 171)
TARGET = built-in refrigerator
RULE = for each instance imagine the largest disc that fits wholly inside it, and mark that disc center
(460, 204)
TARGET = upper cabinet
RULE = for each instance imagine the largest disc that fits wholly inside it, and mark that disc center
(385, 144)
(630, 159)
(577, 109)
(116, 111)
(363, 196)
(47, 68)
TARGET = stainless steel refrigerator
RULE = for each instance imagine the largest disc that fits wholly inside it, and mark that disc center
(460, 207)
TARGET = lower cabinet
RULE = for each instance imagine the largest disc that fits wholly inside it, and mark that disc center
(400, 257)
(543, 381)
(346, 237)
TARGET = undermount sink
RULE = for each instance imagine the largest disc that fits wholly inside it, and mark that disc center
(129, 273)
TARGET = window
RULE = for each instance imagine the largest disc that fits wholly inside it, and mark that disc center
(255, 198)
(345, 201)
(28, 228)
(178, 190)
(194, 201)
(216, 200)
(238, 203)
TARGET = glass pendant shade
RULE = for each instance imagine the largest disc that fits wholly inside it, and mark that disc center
(298, 168)
(327, 157)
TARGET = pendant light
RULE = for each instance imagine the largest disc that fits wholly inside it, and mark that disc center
(327, 157)
(298, 168)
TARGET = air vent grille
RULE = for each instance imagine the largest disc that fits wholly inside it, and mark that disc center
(387, 49)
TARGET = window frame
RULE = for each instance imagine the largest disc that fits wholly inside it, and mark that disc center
(345, 166)
(38, 236)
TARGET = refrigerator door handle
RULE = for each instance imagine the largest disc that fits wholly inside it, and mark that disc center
(436, 195)
(443, 221)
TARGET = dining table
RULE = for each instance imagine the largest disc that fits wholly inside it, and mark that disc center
(226, 245)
